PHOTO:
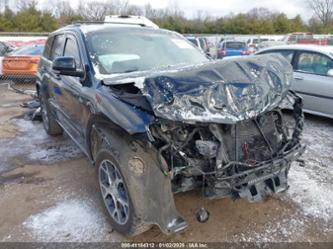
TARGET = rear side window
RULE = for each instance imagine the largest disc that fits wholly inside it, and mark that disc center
(48, 46)
(288, 54)
(57, 47)
(235, 45)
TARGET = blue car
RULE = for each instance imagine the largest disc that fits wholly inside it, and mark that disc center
(232, 48)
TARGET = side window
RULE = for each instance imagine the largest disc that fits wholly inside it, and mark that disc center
(288, 54)
(202, 44)
(57, 47)
(2, 48)
(47, 49)
(71, 49)
(314, 63)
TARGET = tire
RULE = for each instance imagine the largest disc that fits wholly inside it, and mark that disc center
(50, 124)
(128, 222)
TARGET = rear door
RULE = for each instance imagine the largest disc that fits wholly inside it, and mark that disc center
(312, 82)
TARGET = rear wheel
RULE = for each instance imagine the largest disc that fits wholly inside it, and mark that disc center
(50, 124)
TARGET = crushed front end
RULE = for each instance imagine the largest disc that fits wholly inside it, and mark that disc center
(231, 128)
(223, 127)
(248, 159)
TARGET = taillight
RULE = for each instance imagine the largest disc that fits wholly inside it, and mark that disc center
(245, 52)
(222, 51)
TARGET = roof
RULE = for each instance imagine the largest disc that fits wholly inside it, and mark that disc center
(101, 26)
(310, 47)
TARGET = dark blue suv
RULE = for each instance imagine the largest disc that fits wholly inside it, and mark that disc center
(155, 116)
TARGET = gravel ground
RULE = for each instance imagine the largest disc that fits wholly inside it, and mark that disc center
(48, 192)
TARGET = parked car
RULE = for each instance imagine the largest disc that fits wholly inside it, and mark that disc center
(5, 48)
(313, 75)
(200, 42)
(21, 64)
(160, 117)
(254, 42)
(232, 48)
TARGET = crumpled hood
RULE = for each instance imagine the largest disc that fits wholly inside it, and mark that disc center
(224, 91)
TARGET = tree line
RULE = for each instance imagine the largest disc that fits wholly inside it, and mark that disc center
(28, 16)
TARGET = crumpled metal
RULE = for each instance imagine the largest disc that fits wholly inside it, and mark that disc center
(221, 92)
(225, 91)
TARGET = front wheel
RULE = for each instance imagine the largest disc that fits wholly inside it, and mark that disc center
(116, 196)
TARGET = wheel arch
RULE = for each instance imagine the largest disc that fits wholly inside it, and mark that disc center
(99, 122)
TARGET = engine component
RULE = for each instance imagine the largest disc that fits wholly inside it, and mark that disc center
(207, 148)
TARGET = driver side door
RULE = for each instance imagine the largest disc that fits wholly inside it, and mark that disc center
(72, 100)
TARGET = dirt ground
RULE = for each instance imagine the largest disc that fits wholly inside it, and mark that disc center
(48, 192)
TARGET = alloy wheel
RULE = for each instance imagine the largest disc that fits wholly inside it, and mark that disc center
(114, 192)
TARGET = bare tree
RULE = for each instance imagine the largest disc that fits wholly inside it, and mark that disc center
(25, 4)
(63, 8)
(323, 10)
(132, 10)
(94, 10)
(260, 13)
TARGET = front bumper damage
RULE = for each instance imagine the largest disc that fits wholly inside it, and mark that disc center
(255, 180)
(228, 170)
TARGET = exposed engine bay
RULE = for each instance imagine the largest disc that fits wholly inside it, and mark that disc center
(249, 159)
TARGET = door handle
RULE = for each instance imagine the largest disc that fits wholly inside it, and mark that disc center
(298, 78)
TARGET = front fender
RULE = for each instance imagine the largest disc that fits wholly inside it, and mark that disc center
(130, 118)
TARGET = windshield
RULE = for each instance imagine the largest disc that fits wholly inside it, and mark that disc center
(29, 50)
(235, 45)
(128, 50)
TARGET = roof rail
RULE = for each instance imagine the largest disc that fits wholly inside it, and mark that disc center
(122, 20)
(128, 19)
(102, 22)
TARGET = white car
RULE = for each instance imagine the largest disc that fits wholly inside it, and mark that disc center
(313, 75)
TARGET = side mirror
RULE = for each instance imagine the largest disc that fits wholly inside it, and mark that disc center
(330, 72)
(66, 66)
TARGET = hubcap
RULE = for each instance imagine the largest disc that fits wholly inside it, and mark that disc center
(114, 192)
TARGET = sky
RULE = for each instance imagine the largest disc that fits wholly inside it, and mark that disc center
(225, 7)
(217, 8)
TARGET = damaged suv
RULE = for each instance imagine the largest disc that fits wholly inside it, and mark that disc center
(155, 116)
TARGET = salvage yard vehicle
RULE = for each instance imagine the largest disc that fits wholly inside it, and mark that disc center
(313, 75)
(200, 42)
(232, 48)
(21, 65)
(155, 116)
